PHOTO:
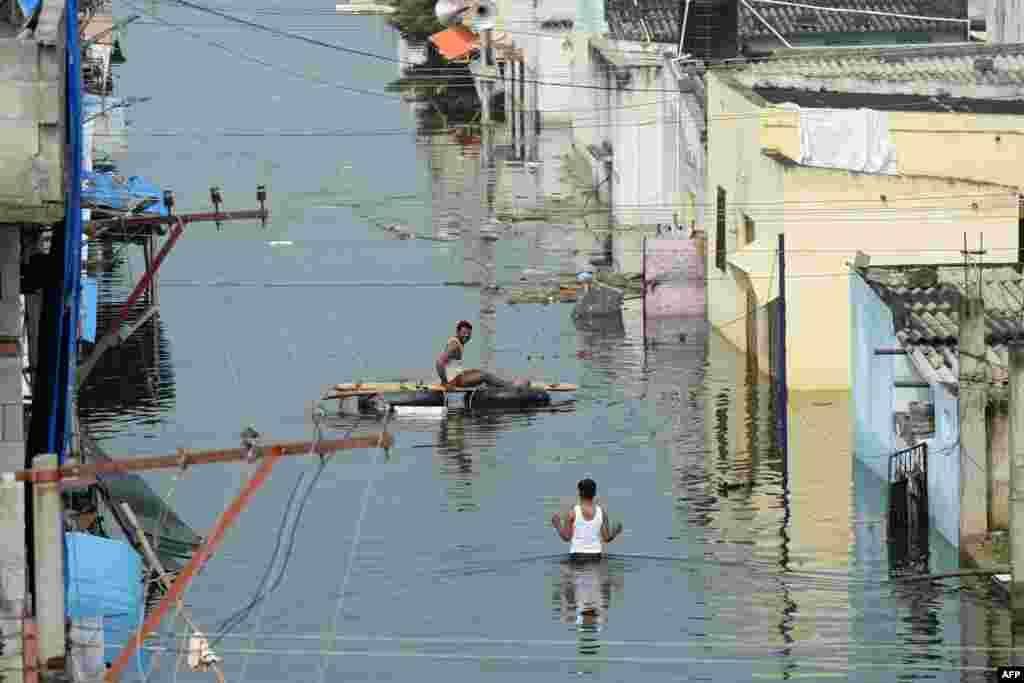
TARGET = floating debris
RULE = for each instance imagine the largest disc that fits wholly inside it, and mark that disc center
(567, 288)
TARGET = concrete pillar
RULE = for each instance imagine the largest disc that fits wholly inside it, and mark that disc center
(12, 575)
(1016, 410)
(974, 467)
(48, 520)
(487, 85)
(12, 411)
(12, 448)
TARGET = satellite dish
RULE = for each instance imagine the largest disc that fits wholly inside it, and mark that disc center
(483, 15)
(450, 12)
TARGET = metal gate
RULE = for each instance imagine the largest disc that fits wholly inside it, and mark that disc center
(908, 506)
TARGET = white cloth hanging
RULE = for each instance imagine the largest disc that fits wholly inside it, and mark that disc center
(851, 139)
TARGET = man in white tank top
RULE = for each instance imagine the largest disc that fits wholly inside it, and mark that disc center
(586, 526)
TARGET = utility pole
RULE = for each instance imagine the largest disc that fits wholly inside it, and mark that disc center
(148, 282)
(974, 465)
(48, 477)
(184, 458)
(486, 82)
(157, 567)
(782, 382)
(1017, 482)
(48, 544)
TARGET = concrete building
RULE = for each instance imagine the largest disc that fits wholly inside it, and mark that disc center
(32, 154)
(1004, 21)
(32, 198)
(907, 324)
(763, 26)
(793, 146)
(541, 30)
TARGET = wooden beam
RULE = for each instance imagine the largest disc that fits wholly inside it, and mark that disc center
(186, 459)
(371, 388)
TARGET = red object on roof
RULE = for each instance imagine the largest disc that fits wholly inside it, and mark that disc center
(455, 42)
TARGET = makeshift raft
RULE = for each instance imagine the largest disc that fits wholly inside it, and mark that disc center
(422, 398)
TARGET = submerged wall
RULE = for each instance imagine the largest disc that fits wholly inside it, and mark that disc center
(674, 269)
(873, 395)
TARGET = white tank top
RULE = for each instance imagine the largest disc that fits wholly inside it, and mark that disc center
(586, 535)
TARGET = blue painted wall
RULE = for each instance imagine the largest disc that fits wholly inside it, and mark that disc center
(89, 303)
(872, 380)
(590, 17)
(874, 401)
(944, 467)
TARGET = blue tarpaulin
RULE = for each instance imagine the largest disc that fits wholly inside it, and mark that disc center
(104, 579)
(28, 7)
(87, 317)
(114, 191)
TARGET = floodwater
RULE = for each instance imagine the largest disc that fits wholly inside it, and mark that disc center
(437, 560)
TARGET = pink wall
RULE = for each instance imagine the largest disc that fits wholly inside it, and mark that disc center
(676, 265)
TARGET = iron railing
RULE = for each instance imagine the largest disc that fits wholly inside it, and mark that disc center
(909, 461)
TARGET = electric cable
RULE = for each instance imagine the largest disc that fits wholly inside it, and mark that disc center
(356, 536)
(260, 61)
(371, 55)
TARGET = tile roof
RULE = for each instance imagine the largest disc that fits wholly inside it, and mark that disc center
(925, 302)
(656, 21)
(962, 70)
(889, 102)
(792, 20)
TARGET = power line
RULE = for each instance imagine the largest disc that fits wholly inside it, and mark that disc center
(281, 33)
(263, 62)
(294, 36)
(371, 55)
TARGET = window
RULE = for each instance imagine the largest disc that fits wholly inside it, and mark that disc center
(748, 230)
(720, 230)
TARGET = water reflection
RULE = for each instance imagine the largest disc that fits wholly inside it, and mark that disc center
(583, 594)
(135, 380)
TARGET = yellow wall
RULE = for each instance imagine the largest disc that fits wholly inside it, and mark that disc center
(809, 523)
(753, 183)
(820, 471)
(828, 215)
(831, 214)
(983, 147)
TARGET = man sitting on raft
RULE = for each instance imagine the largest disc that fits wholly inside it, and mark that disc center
(452, 374)
(586, 526)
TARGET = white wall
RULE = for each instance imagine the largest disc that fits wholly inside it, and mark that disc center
(692, 162)
(555, 94)
(1004, 21)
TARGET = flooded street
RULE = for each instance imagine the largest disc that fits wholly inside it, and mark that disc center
(438, 561)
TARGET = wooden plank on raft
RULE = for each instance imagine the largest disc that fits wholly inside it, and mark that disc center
(370, 388)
